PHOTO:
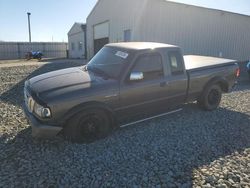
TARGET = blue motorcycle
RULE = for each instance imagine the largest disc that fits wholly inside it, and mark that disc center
(248, 68)
(33, 55)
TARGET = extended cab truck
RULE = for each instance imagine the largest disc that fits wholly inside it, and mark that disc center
(121, 81)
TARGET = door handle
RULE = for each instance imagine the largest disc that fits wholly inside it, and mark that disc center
(163, 84)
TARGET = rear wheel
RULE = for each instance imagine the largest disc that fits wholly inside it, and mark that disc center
(211, 98)
(88, 126)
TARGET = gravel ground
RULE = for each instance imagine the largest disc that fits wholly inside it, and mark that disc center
(33, 62)
(190, 149)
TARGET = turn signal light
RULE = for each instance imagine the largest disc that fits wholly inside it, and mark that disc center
(237, 72)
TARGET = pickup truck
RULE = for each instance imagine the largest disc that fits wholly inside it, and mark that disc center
(123, 84)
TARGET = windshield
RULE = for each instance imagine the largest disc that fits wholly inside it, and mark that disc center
(108, 62)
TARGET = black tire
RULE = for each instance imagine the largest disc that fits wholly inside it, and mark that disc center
(27, 58)
(211, 98)
(87, 126)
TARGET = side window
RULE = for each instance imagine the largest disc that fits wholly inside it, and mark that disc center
(150, 65)
(176, 63)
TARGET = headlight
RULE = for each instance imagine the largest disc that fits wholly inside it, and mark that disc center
(34, 107)
(42, 111)
(30, 103)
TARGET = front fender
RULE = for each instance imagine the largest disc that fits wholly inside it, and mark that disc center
(87, 105)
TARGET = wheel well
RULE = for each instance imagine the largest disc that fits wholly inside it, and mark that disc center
(223, 85)
(90, 105)
(219, 81)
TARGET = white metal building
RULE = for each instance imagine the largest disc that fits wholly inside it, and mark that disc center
(196, 30)
(77, 41)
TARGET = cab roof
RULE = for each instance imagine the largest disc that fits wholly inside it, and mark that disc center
(140, 45)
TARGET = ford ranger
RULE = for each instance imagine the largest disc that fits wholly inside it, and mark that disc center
(123, 84)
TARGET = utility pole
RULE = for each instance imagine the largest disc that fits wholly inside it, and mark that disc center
(28, 13)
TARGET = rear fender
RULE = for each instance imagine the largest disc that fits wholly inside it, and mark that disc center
(222, 82)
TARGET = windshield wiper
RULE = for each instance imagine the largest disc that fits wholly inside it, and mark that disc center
(98, 71)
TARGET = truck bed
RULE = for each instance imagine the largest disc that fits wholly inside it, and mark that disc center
(197, 62)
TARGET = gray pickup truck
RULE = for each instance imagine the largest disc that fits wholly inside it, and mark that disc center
(124, 83)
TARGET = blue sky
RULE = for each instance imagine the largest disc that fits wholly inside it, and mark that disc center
(52, 19)
(49, 18)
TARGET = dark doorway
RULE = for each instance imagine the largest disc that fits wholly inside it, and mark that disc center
(99, 43)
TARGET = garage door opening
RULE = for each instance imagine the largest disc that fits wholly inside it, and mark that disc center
(99, 43)
(101, 36)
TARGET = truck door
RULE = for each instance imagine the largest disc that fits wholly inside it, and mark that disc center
(177, 79)
(147, 93)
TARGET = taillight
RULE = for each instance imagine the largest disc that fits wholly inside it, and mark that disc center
(237, 73)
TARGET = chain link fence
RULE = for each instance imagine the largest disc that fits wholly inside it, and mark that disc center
(17, 50)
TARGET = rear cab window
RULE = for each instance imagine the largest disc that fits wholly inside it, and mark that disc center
(176, 63)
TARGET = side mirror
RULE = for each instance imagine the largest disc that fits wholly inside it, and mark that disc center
(136, 76)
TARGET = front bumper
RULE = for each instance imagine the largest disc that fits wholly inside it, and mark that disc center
(40, 130)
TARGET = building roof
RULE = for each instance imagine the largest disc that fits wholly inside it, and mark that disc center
(207, 8)
(140, 45)
(77, 27)
(196, 6)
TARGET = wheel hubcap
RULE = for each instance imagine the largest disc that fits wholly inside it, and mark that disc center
(89, 126)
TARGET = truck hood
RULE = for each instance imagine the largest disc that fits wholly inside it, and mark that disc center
(61, 80)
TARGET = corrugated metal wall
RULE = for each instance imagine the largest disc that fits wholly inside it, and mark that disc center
(76, 39)
(196, 30)
(17, 50)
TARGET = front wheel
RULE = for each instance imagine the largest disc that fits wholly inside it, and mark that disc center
(211, 98)
(87, 126)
